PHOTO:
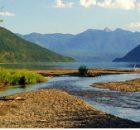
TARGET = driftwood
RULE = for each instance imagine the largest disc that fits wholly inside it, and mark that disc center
(9, 99)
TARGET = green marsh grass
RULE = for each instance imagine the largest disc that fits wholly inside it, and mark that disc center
(16, 77)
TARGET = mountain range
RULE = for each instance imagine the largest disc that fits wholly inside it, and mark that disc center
(90, 45)
(15, 49)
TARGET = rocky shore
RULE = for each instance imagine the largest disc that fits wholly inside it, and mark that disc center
(127, 86)
(52, 108)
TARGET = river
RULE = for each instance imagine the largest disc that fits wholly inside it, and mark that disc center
(122, 104)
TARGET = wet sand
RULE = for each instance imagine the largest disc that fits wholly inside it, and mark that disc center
(52, 108)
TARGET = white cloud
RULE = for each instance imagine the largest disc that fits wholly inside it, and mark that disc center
(107, 4)
(112, 4)
(118, 4)
(134, 25)
(125, 4)
(88, 3)
(138, 6)
(61, 4)
(6, 13)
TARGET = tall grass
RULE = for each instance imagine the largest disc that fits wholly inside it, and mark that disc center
(15, 77)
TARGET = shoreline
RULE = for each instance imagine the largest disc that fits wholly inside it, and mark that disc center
(53, 108)
(126, 86)
(92, 72)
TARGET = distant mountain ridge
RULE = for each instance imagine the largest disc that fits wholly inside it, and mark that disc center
(90, 45)
(132, 56)
(54, 39)
(14, 49)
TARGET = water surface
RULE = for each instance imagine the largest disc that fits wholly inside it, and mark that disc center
(73, 65)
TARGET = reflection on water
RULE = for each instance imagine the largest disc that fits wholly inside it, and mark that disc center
(122, 104)
(70, 65)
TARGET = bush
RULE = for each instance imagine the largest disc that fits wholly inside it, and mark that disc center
(83, 71)
(16, 77)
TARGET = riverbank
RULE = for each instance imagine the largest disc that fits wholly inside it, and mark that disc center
(91, 72)
(51, 108)
(127, 86)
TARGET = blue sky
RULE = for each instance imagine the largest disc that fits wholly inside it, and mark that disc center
(69, 16)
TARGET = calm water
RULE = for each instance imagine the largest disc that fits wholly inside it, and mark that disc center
(121, 104)
(71, 65)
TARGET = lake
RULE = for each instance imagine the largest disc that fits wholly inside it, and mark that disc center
(73, 65)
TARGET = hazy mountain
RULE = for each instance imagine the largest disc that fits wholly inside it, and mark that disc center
(132, 56)
(16, 49)
(47, 40)
(107, 29)
(90, 45)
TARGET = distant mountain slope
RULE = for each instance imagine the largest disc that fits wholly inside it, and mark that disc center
(51, 41)
(15, 49)
(132, 56)
(90, 45)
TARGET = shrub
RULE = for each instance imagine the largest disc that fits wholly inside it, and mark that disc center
(15, 77)
(83, 71)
